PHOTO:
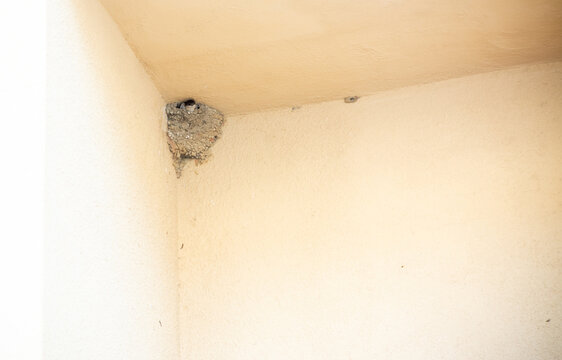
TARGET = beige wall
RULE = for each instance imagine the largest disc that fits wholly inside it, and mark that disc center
(420, 223)
(110, 250)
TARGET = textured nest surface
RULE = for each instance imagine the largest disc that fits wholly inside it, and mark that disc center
(192, 129)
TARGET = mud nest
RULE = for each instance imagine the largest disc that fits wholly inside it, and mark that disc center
(192, 129)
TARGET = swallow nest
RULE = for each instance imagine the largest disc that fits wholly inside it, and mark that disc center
(192, 129)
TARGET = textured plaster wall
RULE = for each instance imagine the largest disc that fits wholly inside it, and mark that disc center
(421, 223)
(110, 249)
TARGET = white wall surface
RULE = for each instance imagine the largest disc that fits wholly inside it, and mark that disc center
(422, 223)
(419, 223)
(110, 250)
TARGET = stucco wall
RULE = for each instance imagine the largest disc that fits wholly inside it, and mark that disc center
(421, 223)
(110, 249)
